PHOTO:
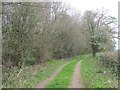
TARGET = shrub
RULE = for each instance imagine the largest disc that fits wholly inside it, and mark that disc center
(109, 59)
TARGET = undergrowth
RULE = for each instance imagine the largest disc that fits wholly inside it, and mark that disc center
(29, 76)
(96, 75)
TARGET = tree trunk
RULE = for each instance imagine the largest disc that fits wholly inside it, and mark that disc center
(93, 50)
(94, 53)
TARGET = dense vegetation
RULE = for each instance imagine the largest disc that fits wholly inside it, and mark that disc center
(30, 76)
(97, 75)
(35, 33)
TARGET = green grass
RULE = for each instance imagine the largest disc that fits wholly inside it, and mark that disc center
(30, 76)
(95, 75)
(63, 79)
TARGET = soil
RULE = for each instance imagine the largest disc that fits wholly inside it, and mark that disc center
(45, 82)
(76, 81)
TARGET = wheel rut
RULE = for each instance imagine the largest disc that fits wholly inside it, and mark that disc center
(76, 81)
(54, 74)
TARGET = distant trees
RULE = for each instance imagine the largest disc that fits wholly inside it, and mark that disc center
(45, 31)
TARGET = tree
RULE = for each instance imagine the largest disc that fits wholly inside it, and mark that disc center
(98, 29)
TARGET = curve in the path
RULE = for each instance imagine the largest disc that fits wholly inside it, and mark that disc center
(45, 82)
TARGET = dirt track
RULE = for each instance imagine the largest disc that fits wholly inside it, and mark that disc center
(45, 82)
(76, 82)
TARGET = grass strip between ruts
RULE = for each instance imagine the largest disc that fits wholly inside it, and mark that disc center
(62, 80)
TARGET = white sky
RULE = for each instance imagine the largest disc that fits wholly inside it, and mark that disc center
(111, 5)
(82, 5)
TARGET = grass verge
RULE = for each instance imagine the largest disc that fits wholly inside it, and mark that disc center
(96, 75)
(30, 76)
(62, 80)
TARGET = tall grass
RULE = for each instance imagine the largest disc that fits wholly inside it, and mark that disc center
(96, 75)
(29, 76)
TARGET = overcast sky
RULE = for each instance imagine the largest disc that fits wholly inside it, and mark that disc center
(82, 5)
